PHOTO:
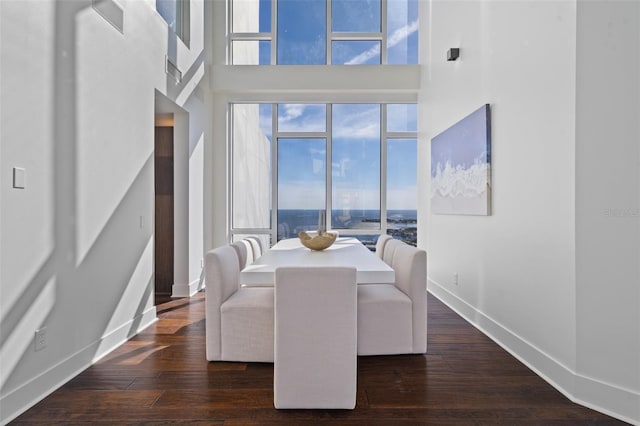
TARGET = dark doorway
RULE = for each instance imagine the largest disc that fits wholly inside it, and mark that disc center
(164, 220)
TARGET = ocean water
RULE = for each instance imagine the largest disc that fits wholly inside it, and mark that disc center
(401, 224)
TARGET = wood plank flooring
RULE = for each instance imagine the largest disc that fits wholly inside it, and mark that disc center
(161, 377)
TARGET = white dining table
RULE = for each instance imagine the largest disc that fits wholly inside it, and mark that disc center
(345, 251)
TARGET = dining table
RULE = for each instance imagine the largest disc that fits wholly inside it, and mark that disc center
(345, 251)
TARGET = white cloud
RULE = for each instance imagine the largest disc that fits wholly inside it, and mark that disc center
(301, 117)
(402, 33)
(398, 36)
(291, 112)
(364, 56)
(314, 151)
(357, 122)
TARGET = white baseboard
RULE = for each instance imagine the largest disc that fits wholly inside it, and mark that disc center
(623, 404)
(185, 290)
(614, 401)
(21, 399)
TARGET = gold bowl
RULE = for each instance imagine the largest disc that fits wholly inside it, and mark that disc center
(317, 242)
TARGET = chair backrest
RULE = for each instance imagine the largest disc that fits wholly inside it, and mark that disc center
(264, 241)
(256, 246)
(315, 317)
(389, 250)
(302, 279)
(241, 250)
(410, 266)
(222, 278)
(283, 231)
(380, 244)
(249, 251)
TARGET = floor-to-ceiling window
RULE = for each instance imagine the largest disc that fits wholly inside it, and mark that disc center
(355, 162)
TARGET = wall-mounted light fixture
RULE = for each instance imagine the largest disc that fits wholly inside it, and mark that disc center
(453, 54)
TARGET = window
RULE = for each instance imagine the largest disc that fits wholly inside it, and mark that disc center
(176, 14)
(318, 32)
(291, 161)
(301, 40)
(355, 155)
(402, 32)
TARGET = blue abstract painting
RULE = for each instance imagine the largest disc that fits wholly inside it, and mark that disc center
(461, 166)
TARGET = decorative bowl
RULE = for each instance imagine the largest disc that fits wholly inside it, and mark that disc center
(317, 242)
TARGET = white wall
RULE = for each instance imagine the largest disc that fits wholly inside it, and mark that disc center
(77, 112)
(198, 118)
(608, 205)
(509, 263)
(520, 269)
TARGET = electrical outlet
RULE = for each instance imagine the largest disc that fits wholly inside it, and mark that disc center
(40, 339)
(455, 278)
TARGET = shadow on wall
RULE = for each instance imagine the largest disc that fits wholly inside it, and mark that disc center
(112, 287)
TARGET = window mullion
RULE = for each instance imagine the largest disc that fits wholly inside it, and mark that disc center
(356, 36)
(274, 172)
(274, 32)
(303, 135)
(383, 28)
(249, 36)
(401, 135)
(329, 168)
(229, 58)
(230, 169)
(329, 32)
(383, 169)
(236, 231)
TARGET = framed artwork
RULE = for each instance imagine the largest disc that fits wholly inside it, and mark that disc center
(461, 166)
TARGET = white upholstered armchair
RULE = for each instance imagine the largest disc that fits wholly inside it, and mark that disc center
(392, 318)
(315, 338)
(239, 320)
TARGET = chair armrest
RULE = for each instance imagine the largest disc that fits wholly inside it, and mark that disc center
(222, 277)
(410, 265)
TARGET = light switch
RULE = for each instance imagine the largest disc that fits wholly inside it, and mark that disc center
(19, 178)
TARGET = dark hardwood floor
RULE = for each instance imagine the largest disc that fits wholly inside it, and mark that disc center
(161, 376)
